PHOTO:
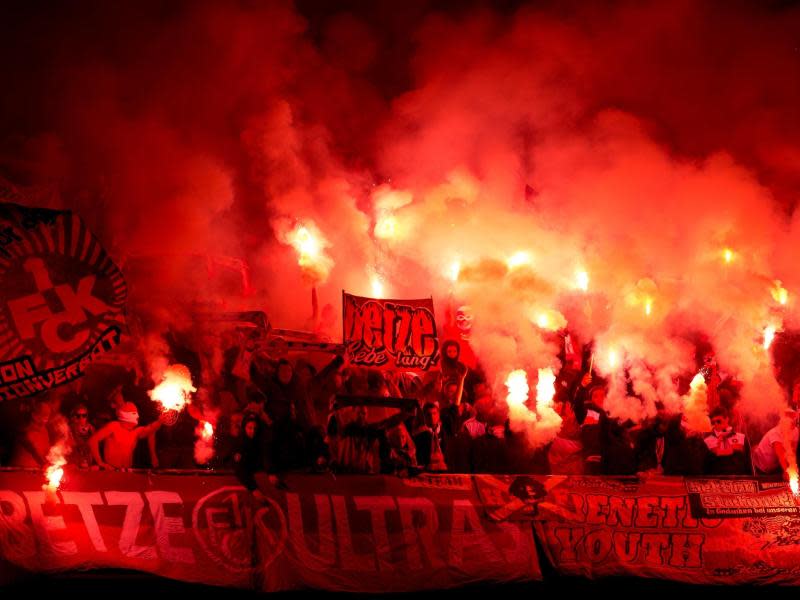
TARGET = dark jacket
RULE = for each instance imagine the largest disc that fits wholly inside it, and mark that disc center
(426, 440)
(684, 453)
(285, 403)
(607, 446)
(250, 456)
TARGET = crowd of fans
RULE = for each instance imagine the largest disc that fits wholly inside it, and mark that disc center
(279, 415)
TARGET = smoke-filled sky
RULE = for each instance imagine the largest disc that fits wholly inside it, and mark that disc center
(651, 147)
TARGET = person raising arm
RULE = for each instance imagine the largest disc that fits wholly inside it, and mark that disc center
(120, 438)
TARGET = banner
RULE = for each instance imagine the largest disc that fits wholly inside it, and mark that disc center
(598, 527)
(366, 534)
(62, 299)
(726, 498)
(186, 527)
(375, 533)
(390, 334)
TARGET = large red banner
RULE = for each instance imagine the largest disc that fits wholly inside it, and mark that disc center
(390, 334)
(62, 299)
(706, 531)
(346, 534)
(373, 533)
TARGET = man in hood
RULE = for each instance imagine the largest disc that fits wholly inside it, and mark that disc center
(120, 438)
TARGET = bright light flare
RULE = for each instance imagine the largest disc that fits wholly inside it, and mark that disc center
(387, 228)
(549, 320)
(582, 280)
(54, 474)
(648, 306)
(769, 336)
(519, 259)
(613, 359)
(376, 286)
(779, 293)
(518, 388)
(728, 255)
(794, 483)
(305, 242)
(697, 382)
(545, 389)
(695, 405)
(454, 270)
(204, 442)
(310, 247)
(174, 391)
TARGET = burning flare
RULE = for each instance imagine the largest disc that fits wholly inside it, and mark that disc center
(57, 458)
(728, 255)
(174, 391)
(305, 243)
(779, 293)
(540, 427)
(387, 228)
(549, 320)
(695, 405)
(769, 336)
(582, 280)
(454, 270)
(548, 422)
(376, 284)
(310, 247)
(204, 441)
(517, 384)
(794, 484)
(545, 390)
(54, 472)
(519, 259)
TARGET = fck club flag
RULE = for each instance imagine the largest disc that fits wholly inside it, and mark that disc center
(62, 299)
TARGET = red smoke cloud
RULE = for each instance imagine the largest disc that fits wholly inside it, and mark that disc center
(632, 140)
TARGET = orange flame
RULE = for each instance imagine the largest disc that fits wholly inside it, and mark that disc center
(545, 389)
(517, 384)
(519, 259)
(376, 285)
(769, 336)
(310, 247)
(454, 270)
(728, 255)
(549, 320)
(387, 227)
(779, 293)
(695, 405)
(794, 484)
(582, 280)
(305, 242)
(174, 391)
(54, 474)
(204, 440)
